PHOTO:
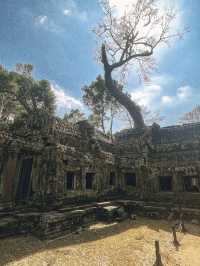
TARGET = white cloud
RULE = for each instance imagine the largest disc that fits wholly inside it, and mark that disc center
(145, 96)
(162, 80)
(73, 10)
(167, 99)
(63, 100)
(184, 92)
(41, 20)
(121, 5)
(150, 94)
(155, 97)
(47, 24)
(67, 12)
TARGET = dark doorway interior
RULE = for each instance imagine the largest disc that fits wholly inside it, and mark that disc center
(112, 179)
(24, 187)
(130, 179)
(70, 181)
(89, 180)
(192, 183)
(165, 183)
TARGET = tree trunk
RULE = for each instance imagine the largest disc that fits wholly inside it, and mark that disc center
(133, 109)
(158, 261)
(102, 124)
(175, 240)
(2, 107)
(111, 126)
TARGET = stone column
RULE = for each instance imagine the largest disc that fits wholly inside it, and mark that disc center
(175, 181)
(9, 177)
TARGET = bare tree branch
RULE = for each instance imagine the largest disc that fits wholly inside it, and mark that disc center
(132, 37)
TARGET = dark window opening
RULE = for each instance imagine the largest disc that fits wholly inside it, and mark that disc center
(192, 183)
(24, 188)
(70, 181)
(89, 180)
(165, 183)
(130, 179)
(1, 179)
(112, 179)
(65, 161)
(1, 185)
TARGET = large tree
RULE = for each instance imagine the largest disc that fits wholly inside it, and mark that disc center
(132, 38)
(8, 103)
(7, 107)
(25, 95)
(74, 116)
(150, 117)
(102, 104)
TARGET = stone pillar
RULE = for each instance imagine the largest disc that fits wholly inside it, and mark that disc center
(9, 177)
(141, 178)
(178, 187)
(35, 174)
(121, 179)
(78, 179)
(175, 182)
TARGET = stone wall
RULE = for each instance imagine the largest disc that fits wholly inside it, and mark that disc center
(50, 155)
(63, 162)
(166, 162)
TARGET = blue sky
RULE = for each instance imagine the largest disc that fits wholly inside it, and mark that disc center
(56, 37)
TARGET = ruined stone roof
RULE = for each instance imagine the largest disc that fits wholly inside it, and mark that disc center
(125, 134)
(73, 135)
(177, 133)
(170, 134)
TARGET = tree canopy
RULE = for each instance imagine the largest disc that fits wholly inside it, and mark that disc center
(74, 116)
(102, 104)
(20, 94)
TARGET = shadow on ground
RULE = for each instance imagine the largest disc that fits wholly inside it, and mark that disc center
(16, 248)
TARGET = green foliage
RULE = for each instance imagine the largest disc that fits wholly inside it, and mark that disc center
(7, 106)
(24, 69)
(74, 116)
(103, 106)
(7, 100)
(22, 96)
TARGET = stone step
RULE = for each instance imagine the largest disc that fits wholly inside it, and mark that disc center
(54, 224)
(6, 207)
(160, 204)
(4, 214)
(171, 207)
(164, 211)
(8, 226)
(84, 206)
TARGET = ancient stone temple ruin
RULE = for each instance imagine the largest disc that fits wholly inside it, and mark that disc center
(65, 164)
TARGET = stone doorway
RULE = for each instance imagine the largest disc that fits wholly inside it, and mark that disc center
(130, 179)
(70, 184)
(191, 183)
(89, 178)
(24, 189)
(165, 183)
(112, 179)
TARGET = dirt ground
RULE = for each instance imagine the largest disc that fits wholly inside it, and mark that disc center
(126, 243)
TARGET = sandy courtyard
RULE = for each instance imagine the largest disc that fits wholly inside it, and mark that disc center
(126, 243)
